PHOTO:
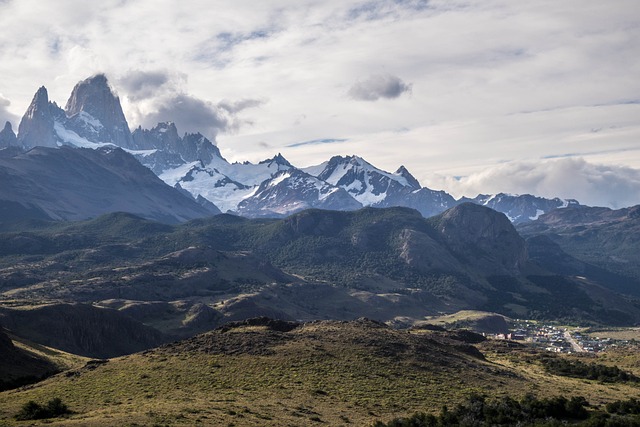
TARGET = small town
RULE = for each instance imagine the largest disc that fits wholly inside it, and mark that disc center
(560, 339)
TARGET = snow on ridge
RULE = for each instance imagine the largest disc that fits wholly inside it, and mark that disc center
(368, 167)
(203, 182)
(143, 153)
(70, 137)
(278, 179)
(172, 176)
(247, 173)
(537, 215)
(368, 198)
(337, 174)
(326, 192)
(487, 201)
(90, 120)
(315, 170)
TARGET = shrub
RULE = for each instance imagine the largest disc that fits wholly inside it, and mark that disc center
(34, 411)
(591, 371)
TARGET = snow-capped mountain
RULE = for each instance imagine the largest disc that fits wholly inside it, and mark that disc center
(191, 163)
(74, 184)
(162, 149)
(206, 181)
(521, 208)
(92, 118)
(224, 184)
(363, 181)
(293, 190)
(377, 188)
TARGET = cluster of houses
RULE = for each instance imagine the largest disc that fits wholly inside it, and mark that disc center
(558, 339)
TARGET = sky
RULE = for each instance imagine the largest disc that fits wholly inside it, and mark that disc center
(472, 96)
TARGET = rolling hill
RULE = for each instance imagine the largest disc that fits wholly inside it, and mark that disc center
(264, 372)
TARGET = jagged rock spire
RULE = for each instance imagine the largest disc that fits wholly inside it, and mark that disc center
(7, 136)
(278, 159)
(36, 126)
(95, 112)
(411, 180)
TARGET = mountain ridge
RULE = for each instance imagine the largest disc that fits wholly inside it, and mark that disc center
(77, 183)
(374, 262)
(93, 117)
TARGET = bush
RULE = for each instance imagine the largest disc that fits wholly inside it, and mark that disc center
(529, 411)
(479, 412)
(34, 411)
(590, 371)
(623, 407)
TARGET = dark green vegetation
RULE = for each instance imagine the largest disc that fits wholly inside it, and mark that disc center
(528, 411)
(119, 284)
(380, 263)
(33, 411)
(590, 371)
(630, 406)
(600, 244)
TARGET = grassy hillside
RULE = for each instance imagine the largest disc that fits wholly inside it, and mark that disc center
(263, 372)
(480, 321)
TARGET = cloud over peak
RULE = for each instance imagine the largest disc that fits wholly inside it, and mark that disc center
(570, 178)
(190, 114)
(155, 96)
(5, 114)
(143, 84)
(379, 86)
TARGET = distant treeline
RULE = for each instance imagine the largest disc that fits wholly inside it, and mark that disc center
(589, 371)
(529, 411)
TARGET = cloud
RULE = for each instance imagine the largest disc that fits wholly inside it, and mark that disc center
(154, 96)
(317, 141)
(375, 10)
(379, 86)
(234, 107)
(190, 114)
(6, 115)
(141, 85)
(571, 64)
(589, 183)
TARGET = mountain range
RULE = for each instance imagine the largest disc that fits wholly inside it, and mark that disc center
(234, 278)
(191, 164)
(389, 264)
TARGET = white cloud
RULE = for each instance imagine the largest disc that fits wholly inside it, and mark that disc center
(591, 184)
(234, 107)
(5, 114)
(492, 81)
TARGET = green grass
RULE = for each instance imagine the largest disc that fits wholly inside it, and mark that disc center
(309, 375)
(315, 374)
